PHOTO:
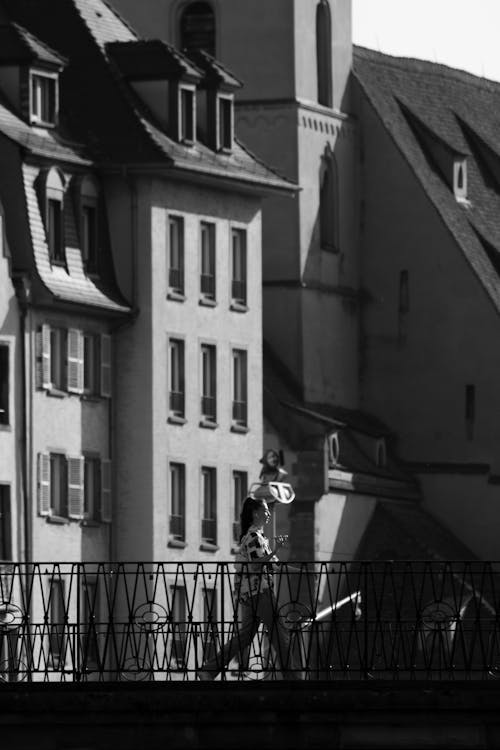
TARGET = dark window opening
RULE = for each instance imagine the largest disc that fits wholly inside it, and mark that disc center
(55, 230)
(198, 28)
(4, 384)
(5, 521)
(176, 372)
(209, 383)
(187, 116)
(225, 124)
(89, 237)
(324, 53)
(470, 410)
(178, 501)
(209, 495)
(207, 280)
(240, 487)
(176, 254)
(43, 99)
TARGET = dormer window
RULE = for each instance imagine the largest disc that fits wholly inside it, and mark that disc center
(51, 190)
(43, 98)
(88, 217)
(460, 179)
(225, 124)
(187, 119)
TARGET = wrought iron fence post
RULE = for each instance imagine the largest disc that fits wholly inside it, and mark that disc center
(223, 609)
(365, 669)
(76, 639)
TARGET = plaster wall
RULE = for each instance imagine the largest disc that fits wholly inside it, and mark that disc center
(72, 425)
(144, 452)
(10, 449)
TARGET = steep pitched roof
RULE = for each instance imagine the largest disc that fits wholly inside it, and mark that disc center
(18, 45)
(145, 59)
(463, 112)
(104, 112)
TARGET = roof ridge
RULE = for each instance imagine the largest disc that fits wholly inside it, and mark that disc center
(441, 70)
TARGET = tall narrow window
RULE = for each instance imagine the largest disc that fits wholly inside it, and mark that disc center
(324, 52)
(208, 383)
(186, 112)
(198, 28)
(470, 410)
(177, 501)
(240, 405)
(240, 487)
(89, 237)
(5, 521)
(43, 99)
(209, 510)
(207, 278)
(57, 612)
(4, 384)
(58, 485)
(328, 209)
(225, 123)
(92, 489)
(176, 394)
(91, 363)
(176, 254)
(239, 267)
(179, 609)
(58, 359)
(55, 230)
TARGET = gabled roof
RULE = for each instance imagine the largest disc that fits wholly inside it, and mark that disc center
(150, 59)
(103, 111)
(215, 72)
(443, 99)
(18, 45)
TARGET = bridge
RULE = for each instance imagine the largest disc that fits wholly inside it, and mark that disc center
(388, 654)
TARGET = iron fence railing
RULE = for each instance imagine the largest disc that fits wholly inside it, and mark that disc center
(163, 621)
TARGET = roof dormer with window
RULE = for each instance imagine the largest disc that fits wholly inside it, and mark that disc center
(164, 80)
(29, 76)
(215, 102)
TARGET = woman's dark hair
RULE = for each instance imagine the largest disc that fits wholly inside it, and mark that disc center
(246, 516)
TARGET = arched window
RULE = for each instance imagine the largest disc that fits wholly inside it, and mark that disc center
(51, 190)
(198, 28)
(328, 209)
(324, 52)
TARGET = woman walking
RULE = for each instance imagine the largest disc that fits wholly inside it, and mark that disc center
(254, 588)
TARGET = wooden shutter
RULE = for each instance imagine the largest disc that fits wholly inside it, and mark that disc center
(105, 365)
(106, 494)
(75, 361)
(43, 356)
(75, 486)
(43, 484)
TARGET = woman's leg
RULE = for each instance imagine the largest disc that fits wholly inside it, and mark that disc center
(246, 628)
(279, 636)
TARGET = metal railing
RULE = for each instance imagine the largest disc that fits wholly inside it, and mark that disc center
(176, 280)
(162, 621)
(239, 291)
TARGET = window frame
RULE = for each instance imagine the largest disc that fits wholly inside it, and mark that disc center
(5, 523)
(177, 501)
(176, 378)
(58, 359)
(239, 382)
(59, 501)
(52, 81)
(92, 494)
(176, 256)
(187, 114)
(5, 379)
(237, 500)
(239, 286)
(208, 382)
(208, 261)
(225, 130)
(208, 496)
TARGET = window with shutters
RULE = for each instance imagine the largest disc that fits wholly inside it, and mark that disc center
(240, 488)
(208, 385)
(176, 395)
(239, 269)
(177, 521)
(207, 251)
(58, 485)
(58, 352)
(240, 398)
(106, 491)
(92, 489)
(4, 384)
(105, 365)
(75, 358)
(209, 505)
(51, 187)
(5, 523)
(91, 364)
(176, 257)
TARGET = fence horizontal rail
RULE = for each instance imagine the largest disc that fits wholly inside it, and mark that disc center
(174, 621)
